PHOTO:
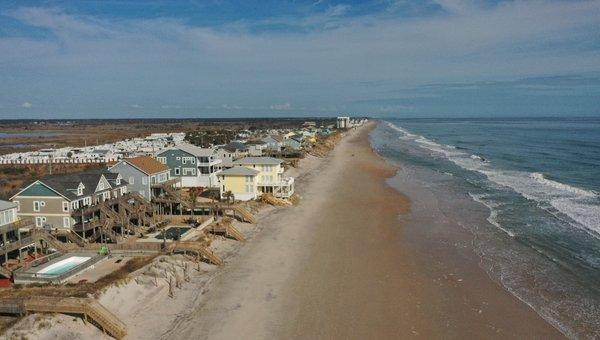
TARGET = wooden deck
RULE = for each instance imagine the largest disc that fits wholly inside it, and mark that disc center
(89, 308)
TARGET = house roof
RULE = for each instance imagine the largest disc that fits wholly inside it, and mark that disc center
(239, 171)
(256, 142)
(196, 151)
(273, 137)
(66, 184)
(235, 146)
(147, 164)
(4, 205)
(258, 160)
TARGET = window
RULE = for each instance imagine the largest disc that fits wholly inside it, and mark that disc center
(66, 206)
(131, 180)
(118, 180)
(184, 160)
(43, 203)
(249, 188)
(248, 179)
(36, 206)
(163, 160)
(101, 186)
(144, 180)
(66, 222)
(177, 171)
(18, 205)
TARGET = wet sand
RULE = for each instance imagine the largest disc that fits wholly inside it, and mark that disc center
(350, 263)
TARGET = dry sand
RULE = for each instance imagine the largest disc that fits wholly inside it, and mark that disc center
(339, 265)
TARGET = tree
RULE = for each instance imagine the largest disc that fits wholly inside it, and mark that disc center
(194, 193)
(229, 197)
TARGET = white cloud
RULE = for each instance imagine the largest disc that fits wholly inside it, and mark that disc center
(321, 67)
(26, 105)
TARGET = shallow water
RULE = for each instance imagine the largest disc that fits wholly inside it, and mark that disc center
(536, 180)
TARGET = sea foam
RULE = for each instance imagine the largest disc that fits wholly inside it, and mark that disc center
(577, 206)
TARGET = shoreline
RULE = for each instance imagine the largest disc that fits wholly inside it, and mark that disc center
(350, 261)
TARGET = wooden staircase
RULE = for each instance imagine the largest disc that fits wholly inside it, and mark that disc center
(195, 247)
(107, 231)
(244, 214)
(89, 308)
(225, 227)
(71, 236)
(231, 231)
(41, 234)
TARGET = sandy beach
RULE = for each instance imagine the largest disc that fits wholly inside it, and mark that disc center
(341, 265)
(349, 262)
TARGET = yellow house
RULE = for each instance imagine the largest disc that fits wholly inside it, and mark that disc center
(242, 182)
(267, 176)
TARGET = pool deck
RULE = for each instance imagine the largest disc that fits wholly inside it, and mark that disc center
(101, 269)
(30, 275)
(188, 235)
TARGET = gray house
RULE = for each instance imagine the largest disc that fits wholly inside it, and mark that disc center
(194, 166)
(142, 174)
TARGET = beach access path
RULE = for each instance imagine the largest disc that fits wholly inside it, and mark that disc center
(338, 266)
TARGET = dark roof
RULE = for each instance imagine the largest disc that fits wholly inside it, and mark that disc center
(235, 146)
(66, 184)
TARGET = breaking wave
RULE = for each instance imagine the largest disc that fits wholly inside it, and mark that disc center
(576, 206)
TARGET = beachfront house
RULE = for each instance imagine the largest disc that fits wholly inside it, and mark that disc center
(240, 181)
(192, 165)
(142, 174)
(53, 201)
(230, 152)
(273, 142)
(256, 147)
(269, 178)
(294, 142)
(8, 213)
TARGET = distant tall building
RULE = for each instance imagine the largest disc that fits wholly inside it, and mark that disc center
(343, 122)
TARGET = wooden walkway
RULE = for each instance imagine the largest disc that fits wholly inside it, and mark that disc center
(89, 308)
(195, 247)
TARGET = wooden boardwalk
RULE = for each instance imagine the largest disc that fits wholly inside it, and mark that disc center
(89, 308)
(195, 247)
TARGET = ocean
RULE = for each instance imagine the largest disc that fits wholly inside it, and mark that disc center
(538, 182)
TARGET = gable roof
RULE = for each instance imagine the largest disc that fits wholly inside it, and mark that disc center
(66, 185)
(239, 171)
(258, 160)
(195, 150)
(275, 138)
(235, 146)
(147, 164)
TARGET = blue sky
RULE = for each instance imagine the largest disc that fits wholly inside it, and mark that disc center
(117, 58)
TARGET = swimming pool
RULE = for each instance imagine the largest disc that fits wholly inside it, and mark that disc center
(64, 266)
(173, 233)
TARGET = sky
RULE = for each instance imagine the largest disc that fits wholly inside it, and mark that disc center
(225, 58)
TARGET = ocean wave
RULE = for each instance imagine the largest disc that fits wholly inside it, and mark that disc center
(493, 217)
(579, 207)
